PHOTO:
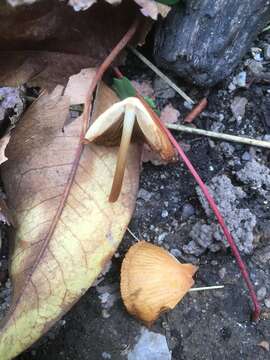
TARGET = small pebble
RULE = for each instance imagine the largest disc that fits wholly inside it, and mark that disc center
(246, 156)
(151, 346)
(161, 237)
(105, 314)
(231, 87)
(227, 148)
(261, 293)
(266, 137)
(188, 105)
(266, 52)
(162, 89)
(265, 345)
(144, 194)
(187, 211)
(257, 53)
(254, 66)
(164, 214)
(106, 355)
(176, 252)
(238, 107)
(240, 79)
(222, 272)
(267, 303)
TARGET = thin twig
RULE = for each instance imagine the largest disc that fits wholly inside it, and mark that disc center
(215, 287)
(266, 28)
(161, 75)
(196, 111)
(133, 235)
(220, 136)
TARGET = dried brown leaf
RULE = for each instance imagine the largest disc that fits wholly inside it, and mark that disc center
(148, 7)
(48, 41)
(63, 239)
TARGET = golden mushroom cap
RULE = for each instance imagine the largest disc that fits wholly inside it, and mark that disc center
(153, 281)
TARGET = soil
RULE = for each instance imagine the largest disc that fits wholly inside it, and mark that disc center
(205, 325)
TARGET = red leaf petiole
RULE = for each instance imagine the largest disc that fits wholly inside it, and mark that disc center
(212, 204)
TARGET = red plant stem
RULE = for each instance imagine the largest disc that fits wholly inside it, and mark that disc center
(235, 251)
(196, 110)
(211, 201)
(101, 70)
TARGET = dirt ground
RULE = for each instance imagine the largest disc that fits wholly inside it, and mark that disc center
(205, 325)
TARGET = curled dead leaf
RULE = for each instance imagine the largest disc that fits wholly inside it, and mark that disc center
(66, 229)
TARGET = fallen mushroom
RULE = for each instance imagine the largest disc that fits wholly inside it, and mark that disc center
(137, 124)
(153, 281)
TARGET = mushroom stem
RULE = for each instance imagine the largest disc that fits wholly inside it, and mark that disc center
(128, 125)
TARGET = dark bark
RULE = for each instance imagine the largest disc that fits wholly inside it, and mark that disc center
(203, 40)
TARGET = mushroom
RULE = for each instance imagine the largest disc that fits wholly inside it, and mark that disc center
(153, 281)
(136, 124)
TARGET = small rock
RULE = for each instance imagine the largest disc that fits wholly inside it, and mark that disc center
(187, 211)
(162, 237)
(256, 175)
(257, 53)
(254, 66)
(227, 149)
(162, 89)
(192, 248)
(144, 194)
(11, 104)
(176, 253)
(265, 345)
(246, 156)
(108, 294)
(217, 126)
(222, 272)
(238, 107)
(164, 213)
(240, 79)
(267, 303)
(106, 355)
(201, 234)
(188, 105)
(266, 52)
(240, 221)
(266, 137)
(261, 293)
(231, 87)
(150, 346)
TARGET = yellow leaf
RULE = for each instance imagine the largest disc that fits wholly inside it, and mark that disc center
(63, 239)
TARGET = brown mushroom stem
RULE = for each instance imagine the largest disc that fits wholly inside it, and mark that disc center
(128, 125)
